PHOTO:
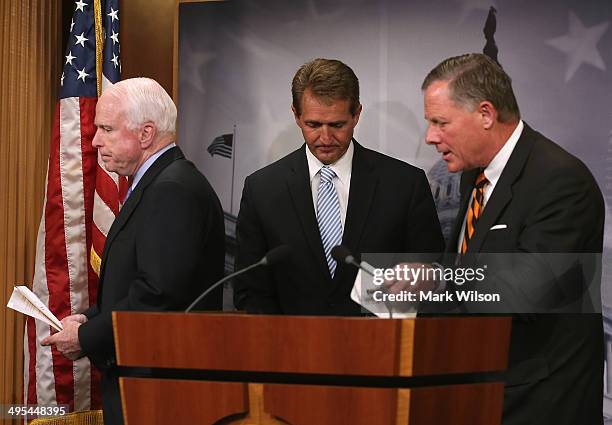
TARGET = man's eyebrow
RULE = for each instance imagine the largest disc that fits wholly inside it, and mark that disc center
(327, 122)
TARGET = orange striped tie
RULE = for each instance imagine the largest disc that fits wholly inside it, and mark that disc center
(474, 211)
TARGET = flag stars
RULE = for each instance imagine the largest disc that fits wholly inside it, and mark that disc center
(115, 37)
(62, 79)
(580, 45)
(82, 74)
(71, 25)
(113, 15)
(115, 60)
(80, 39)
(80, 5)
(69, 58)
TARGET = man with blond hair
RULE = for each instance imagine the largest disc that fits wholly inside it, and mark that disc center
(165, 247)
(330, 191)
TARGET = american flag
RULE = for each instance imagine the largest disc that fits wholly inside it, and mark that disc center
(81, 201)
(222, 145)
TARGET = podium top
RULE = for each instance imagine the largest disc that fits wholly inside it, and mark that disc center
(313, 345)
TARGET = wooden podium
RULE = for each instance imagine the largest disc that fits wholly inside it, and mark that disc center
(242, 369)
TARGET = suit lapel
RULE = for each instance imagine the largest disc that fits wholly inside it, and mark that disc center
(298, 182)
(361, 195)
(128, 208)
(502, 194)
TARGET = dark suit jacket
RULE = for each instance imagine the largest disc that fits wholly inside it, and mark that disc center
(390, 209)
(165, 247)
(551, 204)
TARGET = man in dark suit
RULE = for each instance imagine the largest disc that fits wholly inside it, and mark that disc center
(523, 195)
(331, 191)
(165, 247)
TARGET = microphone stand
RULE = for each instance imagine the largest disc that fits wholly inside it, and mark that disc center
(225, 279)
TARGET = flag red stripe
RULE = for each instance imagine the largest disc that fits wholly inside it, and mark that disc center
(56, 264)
(96, 396)
(90, 165)
(123, 187)
(31, 331)
(107, 189)
(98, 239)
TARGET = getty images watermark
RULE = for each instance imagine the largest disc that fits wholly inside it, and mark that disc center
(413, 275)
(498, 283)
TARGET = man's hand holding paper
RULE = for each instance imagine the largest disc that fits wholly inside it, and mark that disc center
(67, 340)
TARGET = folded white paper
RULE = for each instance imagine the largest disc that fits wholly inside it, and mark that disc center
(25, 301)
(360, 295)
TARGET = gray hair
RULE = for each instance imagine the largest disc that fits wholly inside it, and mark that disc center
(474, 78)
(144, 99)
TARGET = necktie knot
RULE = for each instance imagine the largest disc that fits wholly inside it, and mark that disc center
(481, 180)
(327, 174)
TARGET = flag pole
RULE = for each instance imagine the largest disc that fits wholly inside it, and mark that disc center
(99, 44)
(233, 170)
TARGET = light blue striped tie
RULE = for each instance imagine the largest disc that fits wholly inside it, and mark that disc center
(328, 216)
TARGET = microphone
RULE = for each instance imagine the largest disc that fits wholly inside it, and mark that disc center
(275, 255)
(342, 254)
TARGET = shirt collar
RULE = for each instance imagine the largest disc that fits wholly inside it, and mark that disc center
(342, 167)
(496, 166)
(145, 165)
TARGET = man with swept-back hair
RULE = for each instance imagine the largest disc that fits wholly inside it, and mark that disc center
(330, 191)
(166, 245)
(522, 193)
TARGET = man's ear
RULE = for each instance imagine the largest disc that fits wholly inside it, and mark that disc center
(295, 115)
(488, 114)
(357, 114)
(147, 134)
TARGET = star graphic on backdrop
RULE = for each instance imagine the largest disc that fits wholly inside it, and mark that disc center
(317, 14)
(115, 60)
(469, 6)
(195, 69)
(71, 25)
(80, 39)
(80, 4)
(69, 58)
(62, 80)
(115, 37)
(82, 74)
(113, 14)
(580, 45)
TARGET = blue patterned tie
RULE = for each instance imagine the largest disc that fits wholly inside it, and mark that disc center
(328, 216)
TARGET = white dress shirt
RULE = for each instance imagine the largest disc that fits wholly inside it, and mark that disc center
(493, 171)
(342, 182)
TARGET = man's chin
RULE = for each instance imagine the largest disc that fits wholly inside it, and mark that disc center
(110, 168)
(453, 168)
(327, 159)
(329, 156)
